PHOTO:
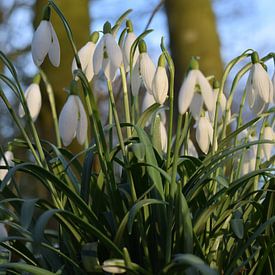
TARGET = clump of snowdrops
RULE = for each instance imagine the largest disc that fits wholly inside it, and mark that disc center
(148, 198)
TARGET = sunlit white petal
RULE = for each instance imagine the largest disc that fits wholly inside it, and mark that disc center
(196, 105)
(113, 50)
(68, 120)
(54, 51)
(82, 126)
(135, 80)
(130, 38)
(98, 56)
(34, 101)
(41, 42)
(160, 85)
(147, 70)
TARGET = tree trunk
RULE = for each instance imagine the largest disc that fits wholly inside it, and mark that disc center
(76, 13)
(192, 30)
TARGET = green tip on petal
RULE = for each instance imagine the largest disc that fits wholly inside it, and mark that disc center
(107, 28)
(74, 87)
(161, 61)
(46, 13)
(9, 146)
(129, 26)
(216, 84)
(255, 57)
(142, 46)
(194, 63)
(94, 37)
(36, 79)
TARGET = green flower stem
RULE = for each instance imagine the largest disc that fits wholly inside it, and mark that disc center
(110, 122)
(125, 99)
(171, 101)
(116, 118)
(258, 155)
(53, 107)
(224, 77)
(173, 187)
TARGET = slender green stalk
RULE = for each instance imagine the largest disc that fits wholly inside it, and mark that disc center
(116, 118)
(50, 94)
(221, 90)
(125, 100)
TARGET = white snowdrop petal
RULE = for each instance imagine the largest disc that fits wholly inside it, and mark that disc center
(249, 89)
(163, 136)
(82, 127)
(196, 106)
(148, 101)
(186, 92)
(206, 90)
(191, 149)
(89, 72)
(135, 80)
(109, 69)
(130, 39)
(268, 147)
(41, 42)
(202, 135)
(113, 50)
(85, 55)
(273, 86)
(147, 71)
(261, 82)
(68, 120)
(259, 106)
(98, 56)
(34, 100)
(160, 85)
(54, 51)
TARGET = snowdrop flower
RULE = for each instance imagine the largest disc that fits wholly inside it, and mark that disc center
(107, 54)
(73, 120)
(191, 149)
(204, 134)
(33, 99)
(160, 82)
(267, 148)
(9, 158)
(129, 40)
(45, 42)
(136, 79)
(146, 67)
(114, 266)
(258, 87)
(86, 57)
(195, 83)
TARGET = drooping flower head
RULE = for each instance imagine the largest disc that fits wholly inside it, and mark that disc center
(73, 120)
(126, 49)
(45, 41)
(160, 82)
(107, 55)
(195, 91)
(33, 99)
(147, 68)
(258, 87)
(85, 55)
(204, 133)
